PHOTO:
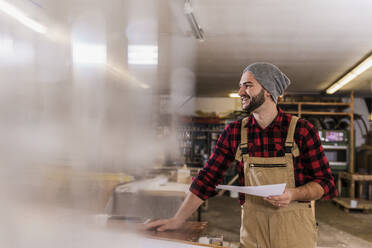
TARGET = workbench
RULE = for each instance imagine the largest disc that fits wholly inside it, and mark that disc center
(187, 236)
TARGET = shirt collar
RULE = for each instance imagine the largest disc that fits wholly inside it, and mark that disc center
(276, 122)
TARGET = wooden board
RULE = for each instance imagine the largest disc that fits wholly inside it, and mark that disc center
(363, 205)
(187, 236)
(191, 231)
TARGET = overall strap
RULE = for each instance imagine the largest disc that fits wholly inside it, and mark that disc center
(290, 145)
(244, 136)
(243, 147)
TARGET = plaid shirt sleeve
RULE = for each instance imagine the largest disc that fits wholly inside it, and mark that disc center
(204, 184)
(314, 161)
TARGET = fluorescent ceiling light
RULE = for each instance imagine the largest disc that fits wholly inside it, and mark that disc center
(21, 17)
(360, 68)
(142, 55)
(196, 29)
(234, 95)
(83, 53)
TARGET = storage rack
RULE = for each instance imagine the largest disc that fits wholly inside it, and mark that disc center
(196, 134)
(303, 108)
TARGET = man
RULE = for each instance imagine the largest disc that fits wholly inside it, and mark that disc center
(271, 147)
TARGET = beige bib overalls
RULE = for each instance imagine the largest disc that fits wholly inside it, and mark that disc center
(264, 225)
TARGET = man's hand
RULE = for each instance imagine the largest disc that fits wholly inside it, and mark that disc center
(165, 224)
(282, 200)
(308, 192)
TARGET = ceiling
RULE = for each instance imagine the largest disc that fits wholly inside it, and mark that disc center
(313, 42)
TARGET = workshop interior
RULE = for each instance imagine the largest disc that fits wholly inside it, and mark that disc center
(110, 109)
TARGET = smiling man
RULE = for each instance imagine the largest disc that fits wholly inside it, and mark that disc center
(271, 147)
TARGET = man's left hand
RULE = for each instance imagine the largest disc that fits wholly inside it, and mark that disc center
(282, 200)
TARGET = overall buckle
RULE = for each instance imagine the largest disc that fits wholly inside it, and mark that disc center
(244, 148)
(288, 147)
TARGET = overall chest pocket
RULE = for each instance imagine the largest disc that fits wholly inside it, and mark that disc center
(256, 165)
(266, 173)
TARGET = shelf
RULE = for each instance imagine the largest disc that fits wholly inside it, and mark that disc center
(356, 177)
(331, 147)
(323, 113)
(344, 202)
(316, 113)
(316, 103)
(291, 112)
(337, 163)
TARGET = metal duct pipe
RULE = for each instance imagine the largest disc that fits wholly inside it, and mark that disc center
(196, 29)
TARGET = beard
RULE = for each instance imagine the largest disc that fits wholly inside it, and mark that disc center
(256, 101)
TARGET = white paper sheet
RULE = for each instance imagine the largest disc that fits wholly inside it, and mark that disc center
(263, 190)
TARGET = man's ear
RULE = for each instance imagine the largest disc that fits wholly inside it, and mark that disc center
(267, 94)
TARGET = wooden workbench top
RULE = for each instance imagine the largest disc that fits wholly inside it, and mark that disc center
(191, 230)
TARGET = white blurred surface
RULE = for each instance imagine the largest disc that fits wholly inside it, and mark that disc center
(73, 116)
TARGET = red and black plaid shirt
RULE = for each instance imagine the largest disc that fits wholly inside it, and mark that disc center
(311, 166)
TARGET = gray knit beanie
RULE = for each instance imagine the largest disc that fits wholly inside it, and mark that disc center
(270, 78)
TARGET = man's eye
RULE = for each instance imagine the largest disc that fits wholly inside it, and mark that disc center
(245, 85)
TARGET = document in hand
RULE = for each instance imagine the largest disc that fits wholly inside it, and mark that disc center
(263, 190)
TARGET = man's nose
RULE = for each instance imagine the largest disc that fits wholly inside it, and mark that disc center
(241, 91)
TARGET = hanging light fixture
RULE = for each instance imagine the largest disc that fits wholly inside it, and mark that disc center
(195, 27)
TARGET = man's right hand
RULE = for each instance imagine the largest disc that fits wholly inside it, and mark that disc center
(189, 205)
(165, 224)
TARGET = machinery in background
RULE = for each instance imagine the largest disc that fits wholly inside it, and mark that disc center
(336, 148)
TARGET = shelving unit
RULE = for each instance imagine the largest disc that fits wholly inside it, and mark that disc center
(198, 137)
(305, 109)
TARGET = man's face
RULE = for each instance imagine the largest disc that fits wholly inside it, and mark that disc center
(251, 93)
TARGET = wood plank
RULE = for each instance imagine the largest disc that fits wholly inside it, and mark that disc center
(359, 177)
(291, 112)
(352, 188)
(346, 104)
(229, 183)
(191, 232)
(316, 103)
(356, 177)
(352, 143)
(324, 113)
